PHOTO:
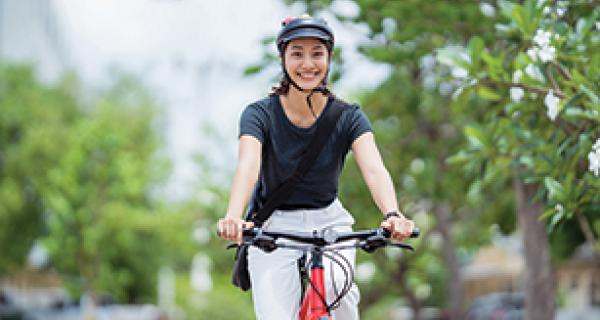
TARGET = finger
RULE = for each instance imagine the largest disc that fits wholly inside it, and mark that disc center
(219, 228)
(386, 225)
(230, 230)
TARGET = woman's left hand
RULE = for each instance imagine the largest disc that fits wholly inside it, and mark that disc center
(400, 227)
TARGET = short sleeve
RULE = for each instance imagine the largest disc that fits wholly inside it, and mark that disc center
(358, 124)
(253, 123)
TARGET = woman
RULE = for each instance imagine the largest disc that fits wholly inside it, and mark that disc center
(274, 132)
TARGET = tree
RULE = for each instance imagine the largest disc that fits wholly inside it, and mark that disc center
(102, 219)
(539, 79)
(35, 116)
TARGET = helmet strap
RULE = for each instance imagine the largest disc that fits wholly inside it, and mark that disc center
(321, 88)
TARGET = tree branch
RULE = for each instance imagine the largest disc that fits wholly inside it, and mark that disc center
(553, 81)
(564, 71)
(527, 87)
(590, 238)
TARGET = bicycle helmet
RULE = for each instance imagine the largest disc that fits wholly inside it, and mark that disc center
(304, 27)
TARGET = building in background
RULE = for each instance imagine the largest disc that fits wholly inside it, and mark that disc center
(496, 274)
(30, 32)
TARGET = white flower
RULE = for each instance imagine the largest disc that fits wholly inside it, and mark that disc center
(487, 9)
(542, 38)
(598, 25)
(459, 73)
(516, 94)
(547, 10)
(594, 159)
(561, 11)
(533, 72)
(547, 53)
(517, 76)
(559, 208)
(551, 101)
(596, 146)
(533, 53)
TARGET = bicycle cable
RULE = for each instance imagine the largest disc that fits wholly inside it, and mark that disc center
(348, 278)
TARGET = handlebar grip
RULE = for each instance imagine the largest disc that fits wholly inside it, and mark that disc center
(415, 232)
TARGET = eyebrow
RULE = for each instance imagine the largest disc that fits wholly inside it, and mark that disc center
(299, 47)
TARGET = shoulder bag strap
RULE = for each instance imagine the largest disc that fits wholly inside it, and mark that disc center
(311, 153)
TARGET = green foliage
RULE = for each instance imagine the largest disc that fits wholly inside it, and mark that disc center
(33, 122)
(102, 225)
(522, 133)
(82, 175)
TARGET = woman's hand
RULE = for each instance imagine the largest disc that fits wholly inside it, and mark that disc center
(230, 228)
(400, 227)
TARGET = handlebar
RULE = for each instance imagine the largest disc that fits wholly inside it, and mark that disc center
(368, 240)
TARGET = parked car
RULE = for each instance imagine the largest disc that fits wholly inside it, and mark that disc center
(497, 306)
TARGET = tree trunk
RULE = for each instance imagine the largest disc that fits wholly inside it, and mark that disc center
(400, 277)
(454, 291)
(538, 276)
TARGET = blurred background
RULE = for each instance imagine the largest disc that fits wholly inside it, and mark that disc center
(118, 132)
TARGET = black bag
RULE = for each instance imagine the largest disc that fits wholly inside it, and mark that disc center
(240, 275)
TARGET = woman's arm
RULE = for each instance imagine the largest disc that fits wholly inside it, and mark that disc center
(246, 175)
(380, 184)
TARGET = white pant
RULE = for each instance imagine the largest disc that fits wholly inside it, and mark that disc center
(275, 280)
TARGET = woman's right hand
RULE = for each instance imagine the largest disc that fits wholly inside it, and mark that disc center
(230, 228)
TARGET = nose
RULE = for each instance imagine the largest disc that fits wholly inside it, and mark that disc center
(308, 61)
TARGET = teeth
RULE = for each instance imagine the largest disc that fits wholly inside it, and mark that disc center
(307, 75)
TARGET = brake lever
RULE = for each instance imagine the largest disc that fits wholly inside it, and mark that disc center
(401, 245)
(373, 243)
(264, 242)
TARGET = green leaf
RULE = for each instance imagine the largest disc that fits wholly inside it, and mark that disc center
(475, 46)
(547, 213)
(476, 136)
(556, 191)
(571, 102)
(488, 93)
(585, 24)
(506, 8)
(253, 69)
(591, 95)
(458, 158)
(452, 57)
(577, 114)
(519, 17)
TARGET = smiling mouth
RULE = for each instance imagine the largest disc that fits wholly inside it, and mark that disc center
(308, 76)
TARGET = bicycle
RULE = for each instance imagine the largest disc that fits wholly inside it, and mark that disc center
(322, 244)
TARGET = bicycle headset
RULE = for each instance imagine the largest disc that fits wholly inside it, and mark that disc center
(305, 26)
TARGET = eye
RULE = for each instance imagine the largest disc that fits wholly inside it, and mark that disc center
(318, 54)
(296, 54)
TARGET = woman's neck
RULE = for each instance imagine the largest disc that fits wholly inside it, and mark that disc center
(295, 101)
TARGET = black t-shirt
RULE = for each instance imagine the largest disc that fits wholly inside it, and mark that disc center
(283, 144)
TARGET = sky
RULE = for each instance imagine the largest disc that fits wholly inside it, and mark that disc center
(191, 54)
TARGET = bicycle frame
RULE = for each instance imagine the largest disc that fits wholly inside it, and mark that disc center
(312, 305)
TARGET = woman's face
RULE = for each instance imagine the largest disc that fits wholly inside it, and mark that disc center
(306, 61)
